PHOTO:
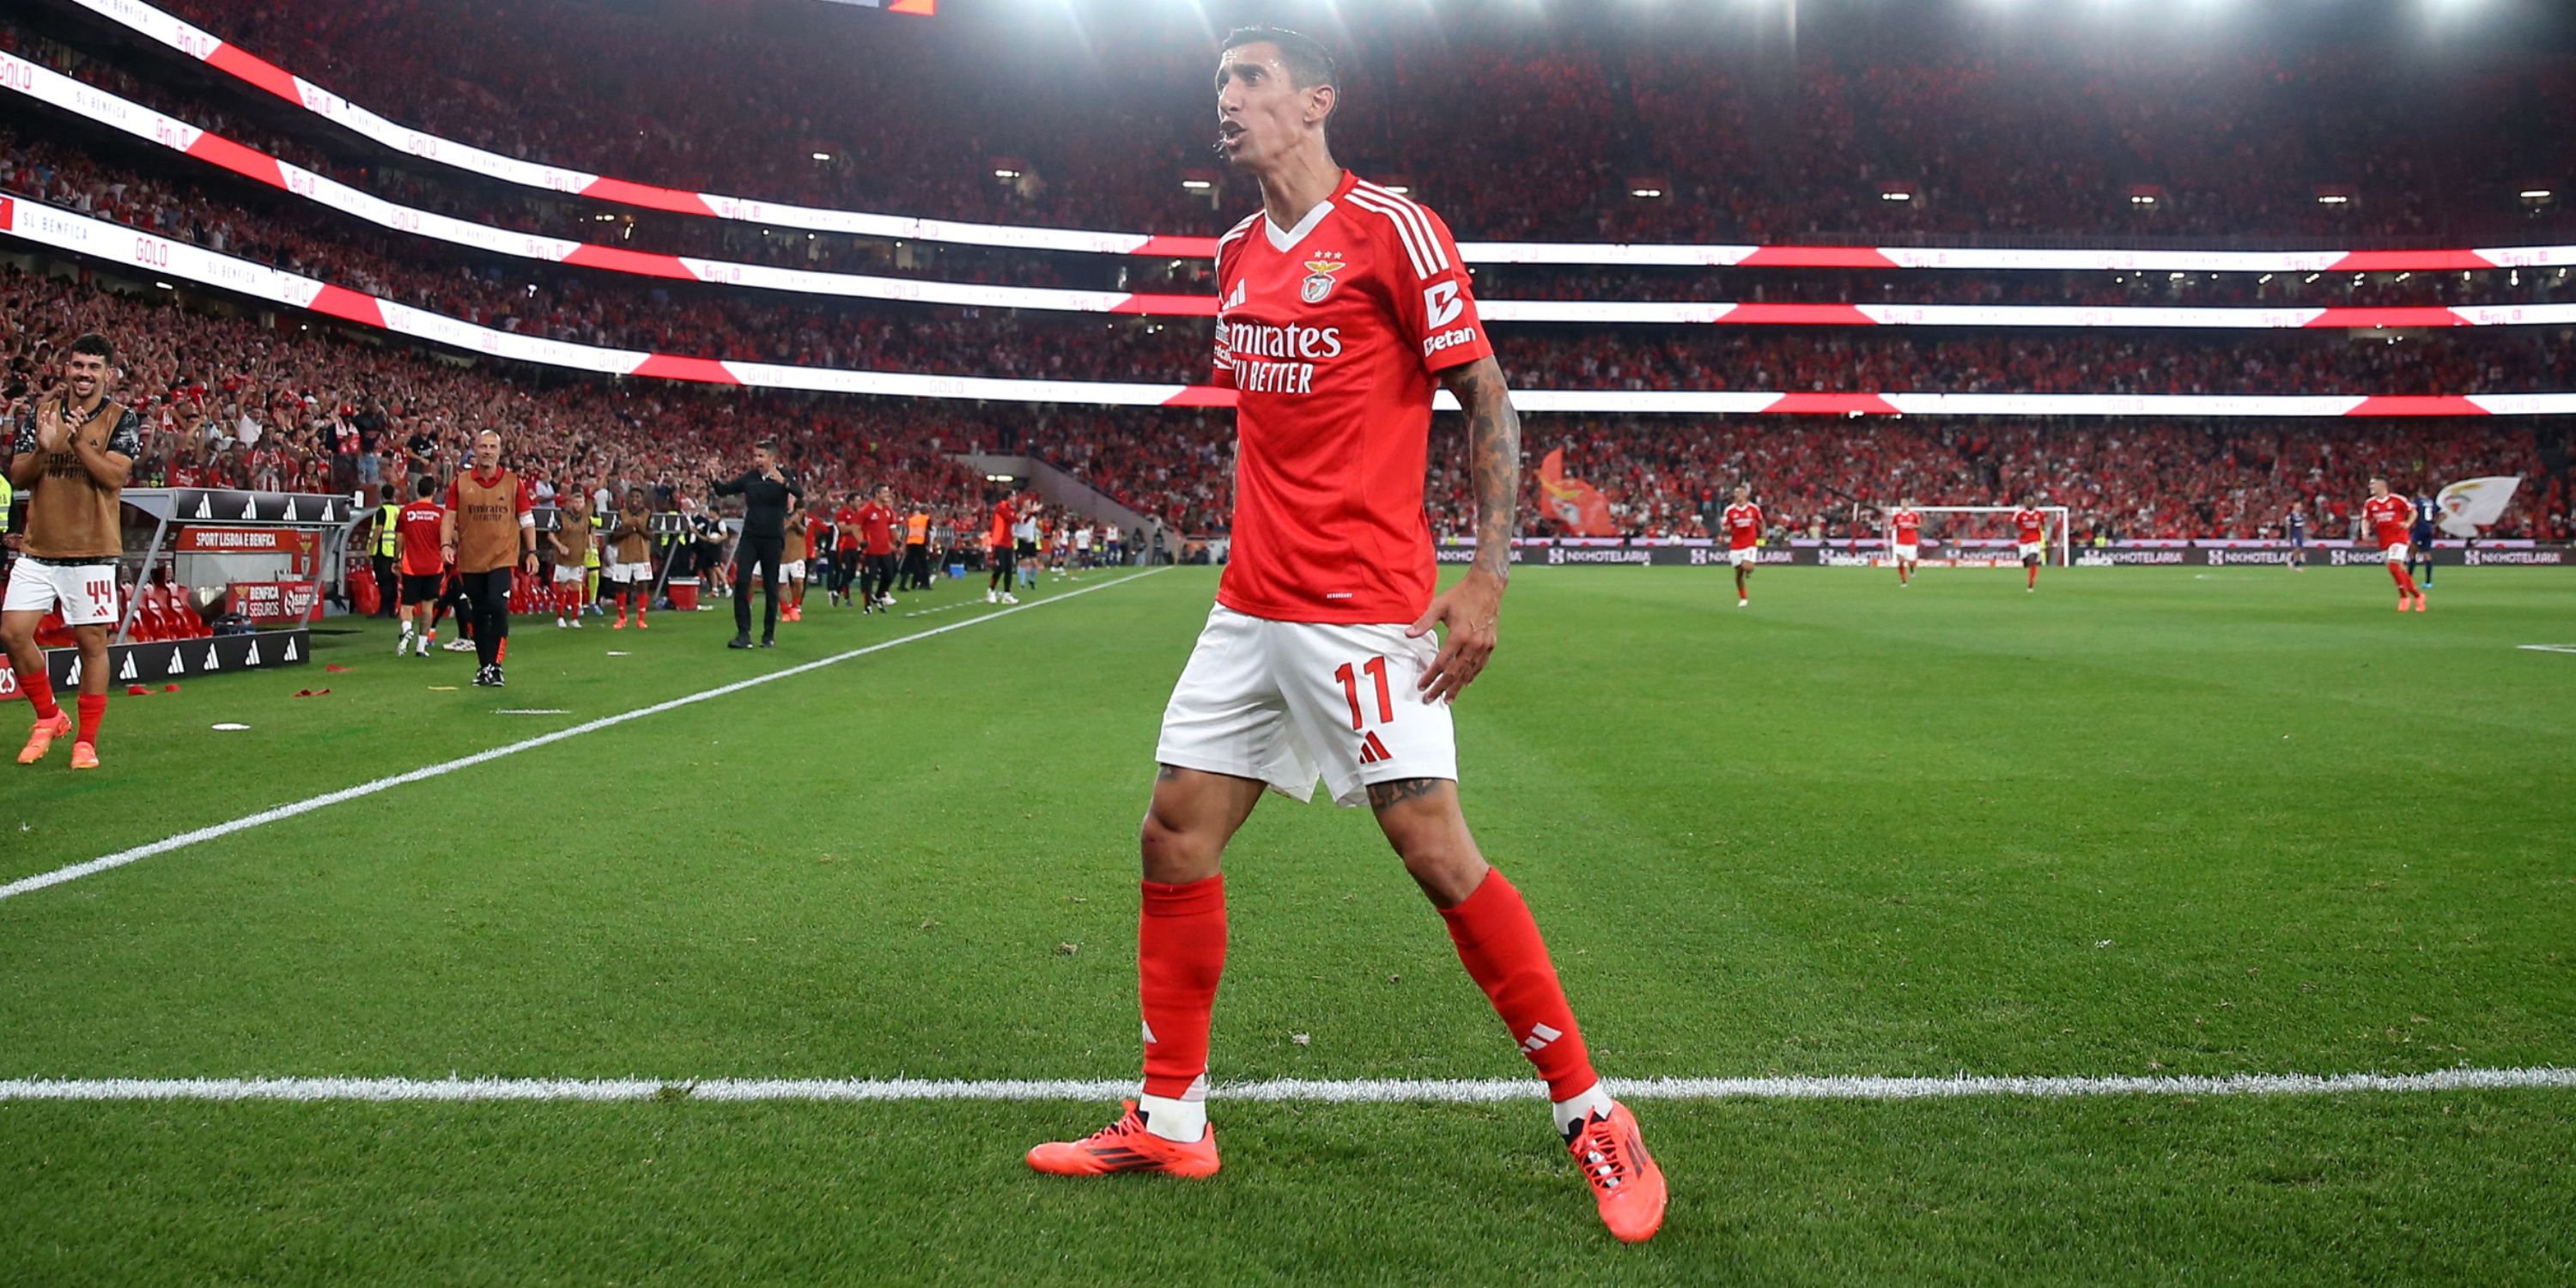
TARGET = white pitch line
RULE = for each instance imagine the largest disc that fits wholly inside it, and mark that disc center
(75, 872)
(1278, 1090)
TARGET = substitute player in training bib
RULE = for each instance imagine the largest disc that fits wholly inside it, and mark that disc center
(71, 456)
(1342, 306)
(2392, 518)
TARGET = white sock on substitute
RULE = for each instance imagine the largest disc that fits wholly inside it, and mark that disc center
(1579, 1106)
(1184, 1121)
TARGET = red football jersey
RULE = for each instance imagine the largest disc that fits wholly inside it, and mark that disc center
(1743, 526)
(1004, 515)
(1333, 334)
(417, 527)
(845, 528)
(1909, 527)
(876, 525)
(2030, 525)
(2390, 517)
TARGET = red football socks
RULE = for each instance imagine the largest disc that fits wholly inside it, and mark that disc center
(2405, 580)
(1500, 945)
(2033, 570)
(92, 707)
(39, 688)
(1180, 952)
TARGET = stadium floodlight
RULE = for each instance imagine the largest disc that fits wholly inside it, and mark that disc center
(822, 156)
(2142, 199)
(1005, 172)
(165, 286)
(1197, 185)
(2537, 194)
(2333, 199)
(1896, 196)
(1645, 192)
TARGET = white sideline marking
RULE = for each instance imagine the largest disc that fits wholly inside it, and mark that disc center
(2548, 648)
(1349, 1091)
(75, 872)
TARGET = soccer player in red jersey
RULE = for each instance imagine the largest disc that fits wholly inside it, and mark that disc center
(2389, 516)
(1907, 545)
(1342, 307)
(876, 529)
(1743, 524)
(2030, 537)
(845, 550)
(998, 552)
(423, 571)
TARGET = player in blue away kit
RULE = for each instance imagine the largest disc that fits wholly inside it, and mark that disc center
(2295, 527)
(2419, 540)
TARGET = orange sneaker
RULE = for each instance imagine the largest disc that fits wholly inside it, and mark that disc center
(2419, 601)
(1125, 1146)
(84, 755)
(41, 739)
(1625, 1181)
(2405, 605)
(619, 624)
(641, 624)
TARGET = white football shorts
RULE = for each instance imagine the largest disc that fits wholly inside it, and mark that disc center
(638, 573)
(1288, 703)
(1909, 554)
(2397, 553)
(791, 570)
(568, 572)
(1740, 558)
(86, 593)
(2032, 549)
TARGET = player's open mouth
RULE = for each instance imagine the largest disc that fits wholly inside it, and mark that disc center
(1228, 133)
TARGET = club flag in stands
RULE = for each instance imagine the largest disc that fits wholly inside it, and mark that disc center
(1576, 504)
(2471, 504)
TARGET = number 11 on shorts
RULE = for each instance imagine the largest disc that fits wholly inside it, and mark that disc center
(1376, 670)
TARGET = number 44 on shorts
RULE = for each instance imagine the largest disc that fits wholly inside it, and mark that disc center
(1371, 750)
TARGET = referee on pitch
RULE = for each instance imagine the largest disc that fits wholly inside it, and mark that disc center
(766, 494)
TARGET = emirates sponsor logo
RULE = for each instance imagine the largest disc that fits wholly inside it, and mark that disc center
(1303, 343)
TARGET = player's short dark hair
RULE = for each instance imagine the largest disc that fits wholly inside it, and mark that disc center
(1304, 56)
(95, 345)
(424, 487)
(766, 445)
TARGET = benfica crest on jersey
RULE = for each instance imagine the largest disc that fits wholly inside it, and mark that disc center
(1319, 280)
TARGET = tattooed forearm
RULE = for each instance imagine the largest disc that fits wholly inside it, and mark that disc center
(1494, 458)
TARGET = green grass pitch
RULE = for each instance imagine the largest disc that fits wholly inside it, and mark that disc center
(2142, 822)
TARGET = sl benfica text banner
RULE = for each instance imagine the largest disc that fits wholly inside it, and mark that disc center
(169, 661)
(219, 55)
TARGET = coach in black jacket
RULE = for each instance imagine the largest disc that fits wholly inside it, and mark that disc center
(766, 493)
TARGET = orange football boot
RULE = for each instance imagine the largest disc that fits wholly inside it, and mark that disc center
(41, 739)
(84, 755)
(1125, 1146)
(1625, 1181)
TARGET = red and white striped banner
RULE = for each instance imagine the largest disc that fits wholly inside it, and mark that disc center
(52, 226)
(143, 123)
(197, 43)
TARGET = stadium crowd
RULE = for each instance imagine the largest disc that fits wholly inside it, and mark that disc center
(1540, 137)
(230, 401)
(757, 326)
